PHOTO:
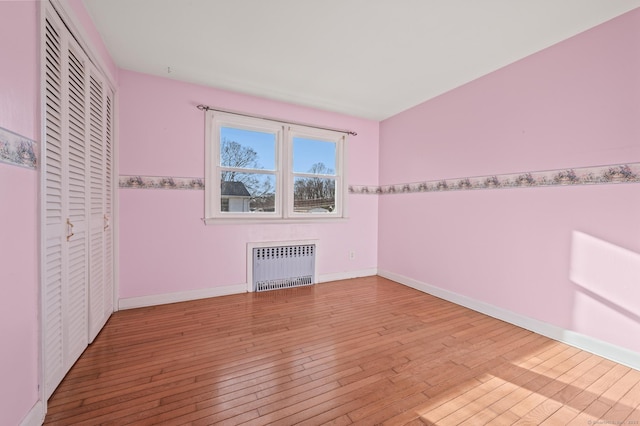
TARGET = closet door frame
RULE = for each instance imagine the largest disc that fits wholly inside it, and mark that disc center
(73, 26)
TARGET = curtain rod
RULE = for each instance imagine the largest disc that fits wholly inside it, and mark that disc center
(208, 108)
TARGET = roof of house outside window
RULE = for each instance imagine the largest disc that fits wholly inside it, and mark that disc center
(234, 189)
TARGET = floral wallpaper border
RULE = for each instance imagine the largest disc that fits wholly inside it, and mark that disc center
(618, 173)
(161, 182)
(18, 150)
(597, 175)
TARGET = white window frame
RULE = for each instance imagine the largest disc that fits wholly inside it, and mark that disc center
(283, 172)
(338, 176)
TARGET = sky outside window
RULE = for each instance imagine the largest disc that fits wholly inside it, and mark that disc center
(264, 144)
(306, 152)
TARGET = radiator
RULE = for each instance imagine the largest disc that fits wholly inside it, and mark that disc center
(283, 266)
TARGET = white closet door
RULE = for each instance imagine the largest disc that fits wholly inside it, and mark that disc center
(53, 232)
(76, 210)
(109, 287)
(64, 193)
(77, 233)
(97, 135)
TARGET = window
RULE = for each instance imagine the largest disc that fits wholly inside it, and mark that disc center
(259, 169)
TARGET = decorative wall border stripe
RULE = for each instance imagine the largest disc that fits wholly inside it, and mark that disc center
(161, 182)
(597, 175)
(18, 150)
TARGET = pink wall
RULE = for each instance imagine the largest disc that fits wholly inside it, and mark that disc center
(19, 214)
(164, 245)
(19, 86)
(574, 104)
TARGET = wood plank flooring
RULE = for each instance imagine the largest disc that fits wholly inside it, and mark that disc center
(365, 351)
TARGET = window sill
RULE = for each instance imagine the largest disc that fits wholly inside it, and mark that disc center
(270, 221)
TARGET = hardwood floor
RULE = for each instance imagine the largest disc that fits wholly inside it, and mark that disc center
(364, 351)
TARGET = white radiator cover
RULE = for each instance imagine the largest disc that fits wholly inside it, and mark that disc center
(282, 265)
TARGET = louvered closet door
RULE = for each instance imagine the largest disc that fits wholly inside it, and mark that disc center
(77, 259)
(53, 236)
(76, 211)
(65, 222)
(109, 281)
(101, 239)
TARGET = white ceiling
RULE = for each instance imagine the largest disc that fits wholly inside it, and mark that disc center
(367, 58)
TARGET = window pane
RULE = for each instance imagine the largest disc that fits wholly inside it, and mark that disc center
(314, 156)
(247, 192)
(247, 149)
(314, 195)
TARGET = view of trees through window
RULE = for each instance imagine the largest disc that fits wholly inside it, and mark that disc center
(248, 173)
(258, 188)
(314, 193)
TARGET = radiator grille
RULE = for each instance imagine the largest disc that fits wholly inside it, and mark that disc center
(283, 266)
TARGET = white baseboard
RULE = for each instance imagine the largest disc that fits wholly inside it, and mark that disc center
(182, 296)
(599, 347)
(35, 416)
(347, 275)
